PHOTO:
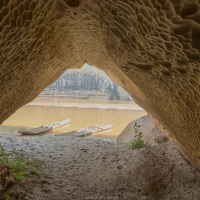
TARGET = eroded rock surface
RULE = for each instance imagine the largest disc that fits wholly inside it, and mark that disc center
(150, 134)
(151, 48)
(6, 181)
(82, 169)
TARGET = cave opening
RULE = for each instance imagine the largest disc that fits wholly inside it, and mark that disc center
(86, 96)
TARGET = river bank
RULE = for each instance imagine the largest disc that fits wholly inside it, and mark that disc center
(87, 105)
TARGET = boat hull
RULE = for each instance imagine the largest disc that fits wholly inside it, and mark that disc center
(89, 131)
(36, 131)
(44, 129)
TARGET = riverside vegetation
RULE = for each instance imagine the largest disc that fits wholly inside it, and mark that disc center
(137, 141)
(20, 165)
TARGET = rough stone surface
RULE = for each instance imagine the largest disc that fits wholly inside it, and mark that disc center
(82, 169)
(151, 48)
(5, 180)
(150, 134)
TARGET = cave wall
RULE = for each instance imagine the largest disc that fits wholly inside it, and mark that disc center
(151, 48)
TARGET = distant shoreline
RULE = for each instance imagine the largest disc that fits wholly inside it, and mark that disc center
(88, 105)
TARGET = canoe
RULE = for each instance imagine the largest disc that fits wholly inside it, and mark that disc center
(55, 125)
(35, 131)
(84, 132)
(96, 128)
(44, 129)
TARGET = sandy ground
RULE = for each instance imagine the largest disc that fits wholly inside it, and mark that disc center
(89, 105)
(91, 168)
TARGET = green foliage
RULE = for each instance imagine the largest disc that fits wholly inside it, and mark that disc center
(190, 177)
(6, 196)
(137, 142)
(19, 164)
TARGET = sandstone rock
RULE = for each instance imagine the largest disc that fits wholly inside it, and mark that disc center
(161, 139)
(5, 179)
(89, 168)
(151, 48)
(150, 134)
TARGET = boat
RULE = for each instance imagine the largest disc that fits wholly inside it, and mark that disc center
(84, 132)
(82, 96)
(45, 128)
(35, 131)
(55, 125)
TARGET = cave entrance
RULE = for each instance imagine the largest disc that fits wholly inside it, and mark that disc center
(87, 96)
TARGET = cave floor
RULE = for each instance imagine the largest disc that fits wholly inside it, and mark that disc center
(91, 168)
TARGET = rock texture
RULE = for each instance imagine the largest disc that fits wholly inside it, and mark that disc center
(85, 81)
(151, 48)
(6, 181)
(150, 134)
(82, 169)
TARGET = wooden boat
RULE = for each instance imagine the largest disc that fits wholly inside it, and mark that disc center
(55, 125)
(84, 132)
(82, 96)
(35, 131)
(44, 129)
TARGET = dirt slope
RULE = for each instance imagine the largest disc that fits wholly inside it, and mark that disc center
(96, 169)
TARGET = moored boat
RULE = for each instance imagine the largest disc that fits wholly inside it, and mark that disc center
(45, 128)
(84, 132)
(55, 125)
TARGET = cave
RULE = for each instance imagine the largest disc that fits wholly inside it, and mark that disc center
(151, 48)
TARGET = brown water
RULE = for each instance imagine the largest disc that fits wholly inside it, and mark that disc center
(31, 116)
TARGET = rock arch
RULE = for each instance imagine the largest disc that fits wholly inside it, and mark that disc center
(151, 48)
